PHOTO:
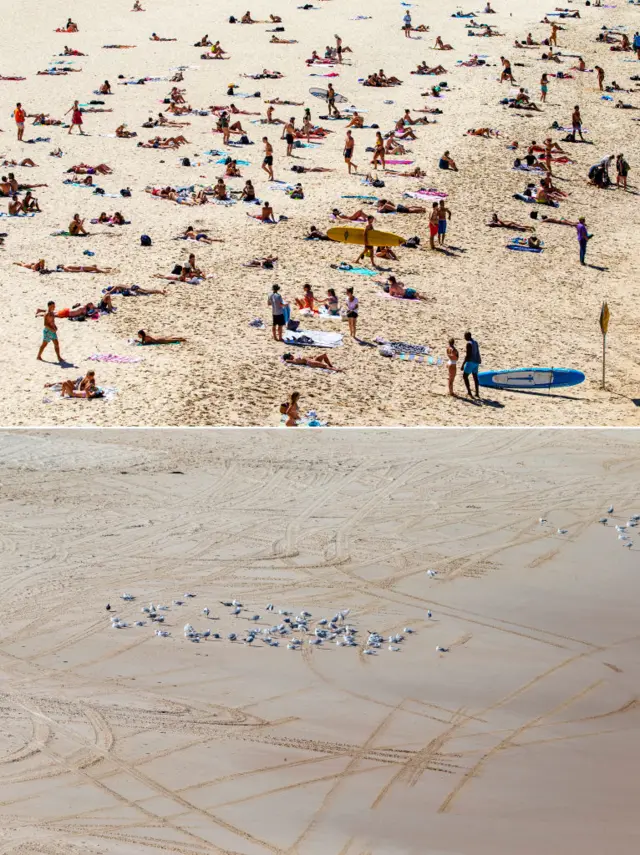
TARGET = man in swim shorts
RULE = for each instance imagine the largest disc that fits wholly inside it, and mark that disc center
(267, 163)
(19, 116)
(471, 364)
(50, 332)
(443, 213)
(349, 145)
(277, 309)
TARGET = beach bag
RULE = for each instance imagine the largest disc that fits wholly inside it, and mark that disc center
(377, 182)
(145, 240)
(186, 161)
(412, 243)
(244, 140)
(125, 192)
(99, 191)
(293, 325)
(177, 270)
(232, 20)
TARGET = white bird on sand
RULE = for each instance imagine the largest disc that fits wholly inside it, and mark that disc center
(162, 633)
(205, 611)
(269, 607)
(127, 597)
(206, 633)
(603, 520)
(442, 649)
(139, 623)
(237, 610)
(255, 617)
(610, 509)
(393, 648)
(432, 572)
(628, 544)
(563, 531)
(293, 646)
(188, 628)
(542, 520)
(188, 595)
(429, 613)
(623, 537)
(178, 603)
(369, 652)
(236, 603)
(232, 636)
(345, 612)
(315, 641)
(408, 629)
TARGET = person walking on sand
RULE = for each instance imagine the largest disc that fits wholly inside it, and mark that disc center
(583, 238)
(267, 163)
(553, 38)
(19, 115)
(349, 145)
(544, 87)
(50, 332)
(443, 213)
(452, 365)
(434, 219)
(368, 249)
(76, 117)
(277, 310)
(352, 311)
(472, 362)
(507, 74)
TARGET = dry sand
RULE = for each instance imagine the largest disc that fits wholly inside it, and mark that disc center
(522, 738)
(525, 309)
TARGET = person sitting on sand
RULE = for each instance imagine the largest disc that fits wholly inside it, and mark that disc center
(497, 223)
(357, 121)
(267, 262)
(231, 170)
(105, 88)
(321, 361)
(439, 45)
(144, 338)
(71, 26)
(42, 119)
(307, 301)
(447, 162)
(266, 214)
(331, 303)
(247, 19)
(220, 190)
(76, 226)
(123, 134)
(137, 7)
(275, 19)
(86, 389)
(386, 252)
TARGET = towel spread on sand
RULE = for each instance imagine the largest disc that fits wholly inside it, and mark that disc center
(313, 338)
(112, 357)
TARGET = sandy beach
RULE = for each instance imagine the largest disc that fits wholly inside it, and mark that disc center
(525, 309)
(521, 735)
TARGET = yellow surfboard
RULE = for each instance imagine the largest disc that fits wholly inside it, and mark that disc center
(347, 234)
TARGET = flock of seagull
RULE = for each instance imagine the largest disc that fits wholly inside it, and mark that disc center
(623, 536)
(298, 629)
(294, 629)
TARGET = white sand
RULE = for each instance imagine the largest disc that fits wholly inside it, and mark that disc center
(522, 738)
(525, 309)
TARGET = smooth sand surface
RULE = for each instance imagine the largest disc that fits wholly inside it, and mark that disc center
(523, 737)
(525, 309)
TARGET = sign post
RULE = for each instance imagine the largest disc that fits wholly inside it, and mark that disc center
(604, 327)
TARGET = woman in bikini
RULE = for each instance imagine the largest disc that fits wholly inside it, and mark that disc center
(144, 338)
(378, 152)
(321, 361)
(452, 365)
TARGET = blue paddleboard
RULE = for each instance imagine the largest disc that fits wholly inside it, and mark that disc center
(530, 378)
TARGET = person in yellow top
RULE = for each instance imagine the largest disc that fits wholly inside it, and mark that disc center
(19, 115)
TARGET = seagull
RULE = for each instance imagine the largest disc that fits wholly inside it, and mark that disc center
(162, 633)
(269, 607)
(205, 611)
(236, 603)
(610, 510)
(126, 596)
(145, 610)
(442, 649)
(232, 636)
(237, 610)
(429, 613)
(563, 531)
(369, 652)
(188, 628)
(255, 617)
(542, 521)
(623, 537)
(408, 629)
(393, 648)
(345, 612)
(225, 603)
(603, 520)
(292, 646)
(628, 544)
(206, 633)
(139, 623)
(108, 607)
(178, 603)
(188, 596)
(432, 572)
(315, 641)
(215, 635)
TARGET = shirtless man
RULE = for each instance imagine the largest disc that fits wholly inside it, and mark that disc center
(267, 163)
(266, 214)
(349, 145)
(434, 218)
(507, 74)
(368, 249)
(289, 134)
(50, 332)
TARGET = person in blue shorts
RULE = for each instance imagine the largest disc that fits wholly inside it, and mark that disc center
(443, 214)
(471, 364)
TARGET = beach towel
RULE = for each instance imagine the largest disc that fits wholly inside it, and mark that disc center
(112, 357)
(30, 214)
(313, 338)
(345, 267)
(426, 194)
(365, 198)
(223, 160)
(405, 347)
(397, 162)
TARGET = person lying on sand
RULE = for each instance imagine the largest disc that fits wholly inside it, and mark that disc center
(358, 217)
(285, 103)
(86, 388)
(165, 142)
(321, 361)
(78, 311)
(42, 119)
(482, 132)
(386, 207)
(155, 38)
(497, 223)
(69, 52)
(26, 162)
(414, 173)
(115, 219)
(397, 289)
(267, 262)
(85, 169)
(316, 234)
(132, 291)
(274, 40)
(473, 62)
(144, 338)
(423, 68)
